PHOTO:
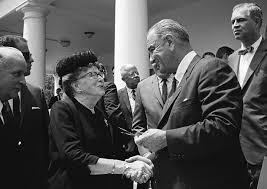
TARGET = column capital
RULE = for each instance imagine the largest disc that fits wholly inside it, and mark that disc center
(33, 9)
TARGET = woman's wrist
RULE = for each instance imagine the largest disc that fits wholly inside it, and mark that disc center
(119, 167)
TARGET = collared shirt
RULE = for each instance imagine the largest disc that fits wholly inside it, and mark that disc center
(184, 65)
(168, 82)
(10, 101)
(131, 99)
(245, 61)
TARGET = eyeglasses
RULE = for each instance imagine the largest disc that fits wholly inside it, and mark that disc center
(93, 75)
(26, 55)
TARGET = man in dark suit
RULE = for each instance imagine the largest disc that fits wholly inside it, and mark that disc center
(32, 144)
(196, 143)
(250, 65)
(130, 76)
(53, 99)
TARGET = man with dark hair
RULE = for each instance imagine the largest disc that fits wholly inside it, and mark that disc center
(32, 144)
(208, 55)
(224, 52)
(19, 43)
(196, 142)
(53, 99)
(250, 65)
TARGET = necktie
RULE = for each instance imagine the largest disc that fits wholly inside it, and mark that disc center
(174, 85)
(164, 90)
(7, 114)
(133, 94)
(246, 50)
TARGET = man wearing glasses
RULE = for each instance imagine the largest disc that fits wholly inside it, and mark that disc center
(32, 143)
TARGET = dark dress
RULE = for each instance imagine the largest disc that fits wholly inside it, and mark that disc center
(78, 138)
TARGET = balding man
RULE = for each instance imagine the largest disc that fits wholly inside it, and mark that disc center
(12, 69)
(32, 140)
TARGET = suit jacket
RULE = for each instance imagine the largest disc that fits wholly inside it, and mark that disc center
(253, 135)
(53, 99)
(128, 115)
(26, 159)
(125, 106)
(148, 104)
(202, 122)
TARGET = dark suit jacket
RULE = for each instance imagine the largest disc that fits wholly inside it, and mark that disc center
(53, 99)
(202, 122)
(128, 115)
(125, 106)
(148, 104)
(26, 156)
(253, 135)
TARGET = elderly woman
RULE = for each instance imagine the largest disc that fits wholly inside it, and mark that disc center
(80, 139)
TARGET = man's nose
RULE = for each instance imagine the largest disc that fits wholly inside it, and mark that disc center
(235, 24)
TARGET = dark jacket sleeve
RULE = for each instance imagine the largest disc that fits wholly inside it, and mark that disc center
(113, 109)
(139, 116)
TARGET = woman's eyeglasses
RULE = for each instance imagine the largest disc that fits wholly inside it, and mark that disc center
(93, 75)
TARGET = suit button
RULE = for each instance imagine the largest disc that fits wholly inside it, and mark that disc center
(19, 143)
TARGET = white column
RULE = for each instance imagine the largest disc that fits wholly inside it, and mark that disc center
(35, 31)
(56, 83)
(130, 37)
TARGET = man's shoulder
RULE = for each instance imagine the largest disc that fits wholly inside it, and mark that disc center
(147, 80)
(120, 91)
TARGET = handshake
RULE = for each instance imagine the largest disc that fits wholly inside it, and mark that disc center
(138, 169)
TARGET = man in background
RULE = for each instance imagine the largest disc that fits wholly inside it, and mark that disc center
(224, 52)
(53, 99)
(127, 95)
(250, 65)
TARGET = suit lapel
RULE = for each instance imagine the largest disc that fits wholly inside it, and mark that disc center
(255, 62)
(156, 91)
(126, 100)
(27, 102)
(170, 101)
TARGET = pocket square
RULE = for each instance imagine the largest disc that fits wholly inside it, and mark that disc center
(35, 108)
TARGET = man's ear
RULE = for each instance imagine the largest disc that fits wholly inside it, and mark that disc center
(170, 40)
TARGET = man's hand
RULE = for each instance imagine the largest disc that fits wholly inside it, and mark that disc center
(153, 139)
(140, 158)
(138, 171)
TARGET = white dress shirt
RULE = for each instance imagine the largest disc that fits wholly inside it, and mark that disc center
(131, 99)
(184, 65)
(168, 82)
(245, 61)
(10, 101)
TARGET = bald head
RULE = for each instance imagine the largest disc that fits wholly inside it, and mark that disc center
(12, 70)
(130, 75)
